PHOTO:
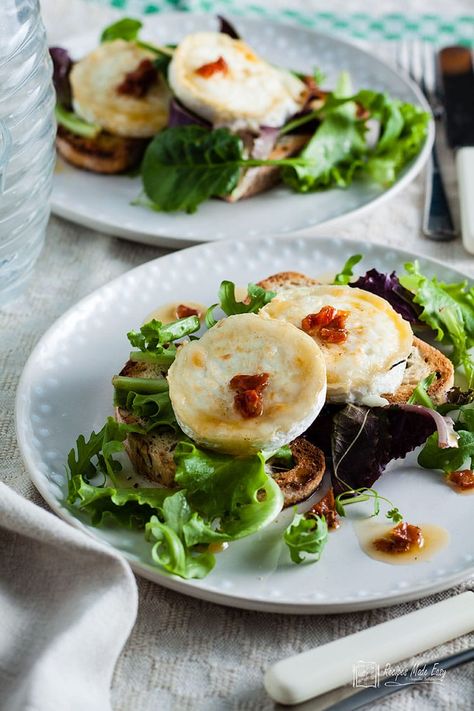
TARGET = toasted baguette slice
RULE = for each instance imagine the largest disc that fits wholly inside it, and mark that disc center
(302, 480)
(257, 180)
(103, 154)
(285, 280)
(423, 359)
(152, 454)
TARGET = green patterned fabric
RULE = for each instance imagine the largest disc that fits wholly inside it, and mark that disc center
(359, 25)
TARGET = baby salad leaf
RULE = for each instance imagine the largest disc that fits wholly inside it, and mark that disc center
(170, 549)
(126, 29)
(154, 333)
(130, 507)
(155, 408)
(235, 490)
(347, 271)
(357, 496)
(256, 299)
(335, 151)
(306, 535)
(339, 150)
(420, 395)
(449, 459)
(94, 456)
(72, 122)
(389, 288)
(449, 310)
(185, 165)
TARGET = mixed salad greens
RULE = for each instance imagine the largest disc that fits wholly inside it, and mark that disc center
(190, 161)
(220, 498)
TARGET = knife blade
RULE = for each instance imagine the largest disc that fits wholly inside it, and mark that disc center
(457, 80)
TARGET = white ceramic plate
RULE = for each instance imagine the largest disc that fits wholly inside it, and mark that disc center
(65, 390)
(103, 202)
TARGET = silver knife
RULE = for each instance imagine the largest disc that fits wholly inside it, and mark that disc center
(457, 76)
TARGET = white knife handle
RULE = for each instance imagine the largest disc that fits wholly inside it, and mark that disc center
(465, 173)
(329, 666)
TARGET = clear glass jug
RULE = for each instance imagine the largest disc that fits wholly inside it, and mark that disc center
(27, 132)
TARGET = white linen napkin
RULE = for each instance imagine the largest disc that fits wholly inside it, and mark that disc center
(67, 606)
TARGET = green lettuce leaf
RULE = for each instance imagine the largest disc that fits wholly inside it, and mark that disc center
(420, 395)
(129, 507)
(256, 299)
(347, 271)
(449, 310)
(72, 122)
(449, 459)
(185, 165)
(306, 535)
(235, 490)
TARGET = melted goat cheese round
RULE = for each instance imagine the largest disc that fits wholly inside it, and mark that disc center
(242, 91)
(371, 361)
(94, 83)
(204, 401)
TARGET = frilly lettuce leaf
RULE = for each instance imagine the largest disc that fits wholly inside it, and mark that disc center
(306, 535)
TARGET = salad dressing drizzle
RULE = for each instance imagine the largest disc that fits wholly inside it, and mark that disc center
(167, 312)
(435, 538)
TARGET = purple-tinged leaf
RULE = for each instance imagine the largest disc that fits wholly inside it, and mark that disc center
(389, 288)
(227, 28)
(62, 65)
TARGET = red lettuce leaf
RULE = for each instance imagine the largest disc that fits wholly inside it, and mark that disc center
(360, 441)
(179, 115)
(62, 65)
(227, 28)
(389, 288)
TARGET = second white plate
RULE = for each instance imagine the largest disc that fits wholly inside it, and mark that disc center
(104, 202)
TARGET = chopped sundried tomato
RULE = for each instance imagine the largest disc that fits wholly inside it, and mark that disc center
(333, 335)
(139, 82)
(462, 480)
(240, 383)
(249, 403)
(249, 388)
(328, 324)
(327, 508)
(400, 539)
(183, 311)
(208, 70)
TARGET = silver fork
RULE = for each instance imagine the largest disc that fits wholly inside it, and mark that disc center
(418, 59)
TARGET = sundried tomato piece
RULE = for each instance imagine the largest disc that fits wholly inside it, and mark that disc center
(333, 335)
(328, 324)
(249, 403)
(138, 82)
(258, 382)
(183, 311)
(462, 479)
(327, 508)
(208, 70)
(400, 539)
(249, 388)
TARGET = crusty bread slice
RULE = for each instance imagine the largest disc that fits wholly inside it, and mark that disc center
(302, 480)
(257, 180)
(103, 154)
(285, 280)
(423, 359)
(152, 454)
